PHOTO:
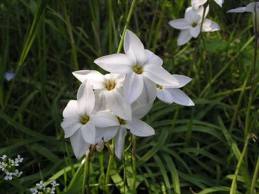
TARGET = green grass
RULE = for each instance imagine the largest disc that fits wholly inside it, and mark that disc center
(204, 149)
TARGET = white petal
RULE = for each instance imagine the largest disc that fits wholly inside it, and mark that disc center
(153, 58)
(182, 79)
(70, 125)
(89, 133)
(148, 94)
(119, 142)
(219, 2)
(85, 98)
(180, 24)
(184, 37)
(192, 15)
(195, 31)
(95, 78)
(134, 48)
(105, 134)
(251, 7)
(100, 104)
(104, 119)
(118, 105)
(237, 10)
(179, 97)
(210, 26)
(139, 110)
(164, 95)
(133, 86)
(79, 146)
(197, 3)
(71, 110)
(115, 63)
(139, 128)
(160, 76)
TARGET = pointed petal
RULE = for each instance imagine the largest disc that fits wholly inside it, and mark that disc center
(89, 133)
(134, 48)
(210, 26)
(164, 95)
(104, 119)
(192, 15)
(79, 146)
(148, 94)
(160, 76)
(182, 79)
(184, 37)
(115, 63)
(139, 110)
(133, 86)
(180, 24)
(71, 109)
(118, 105)
(95, 78)
(105, 134)
(195, 31)
(119, 142)
(197, 3)
(237, 10)
(219, 2)
(179, 97)
(153, 58)
(139, 128)
(70, 125)
(85, 98)
(251, 7)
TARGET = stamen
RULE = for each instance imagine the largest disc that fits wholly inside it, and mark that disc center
(138, 69)
(110, 84)
(84, 119)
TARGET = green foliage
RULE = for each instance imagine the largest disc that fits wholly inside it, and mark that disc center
(210, 148)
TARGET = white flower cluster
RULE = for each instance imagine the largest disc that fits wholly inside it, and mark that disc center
(8, 167)
(109, 105)
(194, 22)
(41, 188)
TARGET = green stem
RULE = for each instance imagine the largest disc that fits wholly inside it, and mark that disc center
(256, 172)
(110, 163)
(133, 144)
(85, 186)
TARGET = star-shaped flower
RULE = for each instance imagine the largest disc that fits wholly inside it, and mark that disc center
(197, 3)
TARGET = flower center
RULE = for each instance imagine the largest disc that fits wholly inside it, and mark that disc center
(194, 24)
(159, 87)
(138, 69)
(84, 119)
(110, 84)
(121, 121)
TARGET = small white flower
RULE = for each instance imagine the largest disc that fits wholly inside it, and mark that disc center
(139, 66)
(175, 95)
(81, 120)
(109, 89)
(41, 188)
(9, 75)
(190, 25)
(197, 3)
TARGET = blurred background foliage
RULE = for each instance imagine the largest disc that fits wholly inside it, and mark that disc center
(195, 150)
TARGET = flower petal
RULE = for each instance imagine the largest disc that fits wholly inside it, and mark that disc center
(219, 2)
(89, 133)
(180, 24)
(179, 97)
(148, 94)
(71, 109)
(251, 7)
(139, 110)
(164, 95)
(79, 146)
(182, 79)
(95, 78)
(104, 119)
(197, 3)
(237, 10)
(105, 134)
(119, 142)
(118, 105)
(195, 31)
(115, 63)
(139, 128)
(210, 26)
(134, 48)
(184, 37)
(160, 76)
(192, 15)
(85, 98)
(70, 125)
(153, 58)
(133, 86)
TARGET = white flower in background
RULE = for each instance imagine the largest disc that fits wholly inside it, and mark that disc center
(197, 3)
(109, 89)
(139, 66)
(190, 25)
(8, 167)
(175, 95)
(9, 75)
(41, 188)
(81, 118)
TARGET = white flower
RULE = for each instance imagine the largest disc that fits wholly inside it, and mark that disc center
(175, 95)
(109, 89)
(197, 3)
(9, 75)
(190, 25)
(41, 188)
(8, 167)
(81, 118)
(139, 66)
